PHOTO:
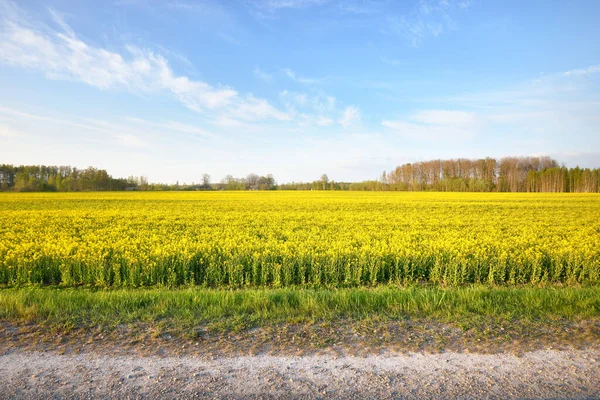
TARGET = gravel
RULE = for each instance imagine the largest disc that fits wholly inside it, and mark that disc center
(537, 374)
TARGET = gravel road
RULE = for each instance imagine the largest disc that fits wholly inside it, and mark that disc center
(538, 374)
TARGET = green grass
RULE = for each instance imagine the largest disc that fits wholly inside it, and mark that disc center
(245, 308)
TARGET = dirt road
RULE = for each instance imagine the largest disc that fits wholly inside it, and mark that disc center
(539, 374)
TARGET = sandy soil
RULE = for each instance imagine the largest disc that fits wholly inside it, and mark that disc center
(538, 374)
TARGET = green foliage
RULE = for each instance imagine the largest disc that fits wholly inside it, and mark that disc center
(91, 308)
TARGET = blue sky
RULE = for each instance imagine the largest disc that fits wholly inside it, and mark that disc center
(296, 88)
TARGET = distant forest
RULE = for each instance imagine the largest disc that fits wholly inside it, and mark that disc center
(509, 174)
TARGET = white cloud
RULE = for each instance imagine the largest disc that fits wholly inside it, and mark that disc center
(593, 69)
(324, 121)
(59, 19)
(428, 19)
(350, 117)
(436, 125)
(444, 117)
(275, 5)
(130, 140)
(253, 108)
(227, 122)
(8, 132)
(361, 6)
(319, 103)
(173, 55)
(130, 132)
(60, 54)
(122, 135)
(309, 110)
(188, 6)
(291, 100)
(295, 77)
(324, 103)
(390, 61)
(20, 115)
(173, 126)
(262, 75)
(64, 56)
(415, 30)
(178, 126)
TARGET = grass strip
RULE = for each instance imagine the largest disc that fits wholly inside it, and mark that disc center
(246, 308)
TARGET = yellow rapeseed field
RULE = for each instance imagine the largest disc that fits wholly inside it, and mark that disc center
(238, 239)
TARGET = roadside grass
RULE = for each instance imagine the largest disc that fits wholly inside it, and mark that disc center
(186, 309)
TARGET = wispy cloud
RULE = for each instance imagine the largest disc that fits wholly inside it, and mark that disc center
(22, 115)
(177, 56)
(172, 126)
(324, 104)
(300, 79)
(324, 121)
(360, 7)
(129, 140)
(310, 109)
(196, 6)
(428, 19)
(318, 103)
(262, 75)
(390, 61)
(593, 69)
(59, 19)
(121, 135)
(291, 100)
(213, 14)
(558, 113)
(428, 125)
(132, 132)
(253, 108)
(444, 117)
(276, 5)
(539, 92)
(8, 132)
(567, 76)
(350, 117)
(61, 55)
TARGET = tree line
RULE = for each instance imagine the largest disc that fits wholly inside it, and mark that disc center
(509, 174)
(43, 178)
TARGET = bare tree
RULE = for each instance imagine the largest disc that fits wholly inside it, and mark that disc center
(252, 181)
(206, 181)
(324, 180)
